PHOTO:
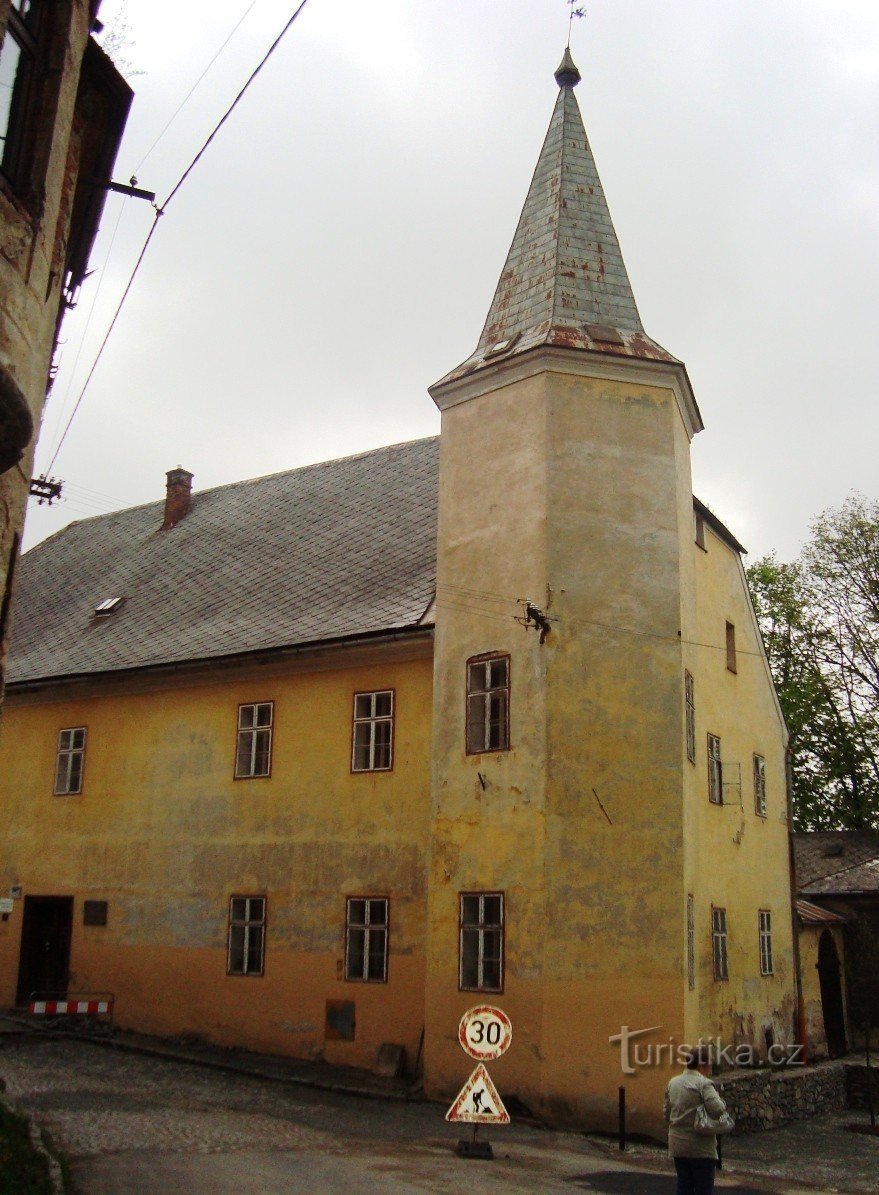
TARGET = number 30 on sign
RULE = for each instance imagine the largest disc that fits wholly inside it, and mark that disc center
(485, 1032)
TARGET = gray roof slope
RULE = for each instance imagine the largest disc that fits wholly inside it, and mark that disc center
(342, 548)
(843, 861)
(564, 281)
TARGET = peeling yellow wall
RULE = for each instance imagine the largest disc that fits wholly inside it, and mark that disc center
(165, 834)
(739, 860)
(579, 507)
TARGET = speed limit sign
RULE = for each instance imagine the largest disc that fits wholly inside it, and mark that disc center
(485, 1032)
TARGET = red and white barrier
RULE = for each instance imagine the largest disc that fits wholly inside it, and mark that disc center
(57, 1008)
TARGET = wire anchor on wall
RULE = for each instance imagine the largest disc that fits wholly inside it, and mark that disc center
(45, 489)
(533, 616)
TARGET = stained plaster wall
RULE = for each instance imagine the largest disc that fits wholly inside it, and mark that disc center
(566, 490)
(32, 245)
(164, 833)
(737, 860)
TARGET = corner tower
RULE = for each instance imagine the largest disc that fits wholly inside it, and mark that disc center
(557, 875)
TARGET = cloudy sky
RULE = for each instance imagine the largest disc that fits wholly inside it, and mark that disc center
(336, 250)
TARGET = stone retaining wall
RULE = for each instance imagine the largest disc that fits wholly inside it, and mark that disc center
(764, 1099)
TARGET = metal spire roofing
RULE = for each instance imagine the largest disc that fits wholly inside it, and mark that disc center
(564, 281)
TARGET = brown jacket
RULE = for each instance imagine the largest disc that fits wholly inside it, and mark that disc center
(683, 1096)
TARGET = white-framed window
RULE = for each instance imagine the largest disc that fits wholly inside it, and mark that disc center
(488, 704)
(372, 740)
(715, 771)
(70, 761)
(764, 929)
(247, 935)
(690, 706)
(759, 785)
(691, 943)
(253, 756)
(366, 939)
(719, 943)
(731, 648)
(481, 942)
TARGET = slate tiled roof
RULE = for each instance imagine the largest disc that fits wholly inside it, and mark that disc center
(339, 549)
(844, 862)
(564, 282)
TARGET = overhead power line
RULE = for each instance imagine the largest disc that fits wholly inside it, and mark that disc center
(196, 84)
(160, 210)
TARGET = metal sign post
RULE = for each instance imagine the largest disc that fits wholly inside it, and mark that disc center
(484, 1032)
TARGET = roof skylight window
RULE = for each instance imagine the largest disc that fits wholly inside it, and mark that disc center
(108, 606)
(502, 346)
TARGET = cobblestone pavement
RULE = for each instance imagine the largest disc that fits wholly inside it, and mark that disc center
(132, 1124)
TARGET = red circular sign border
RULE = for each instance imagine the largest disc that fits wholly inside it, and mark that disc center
(462, 1033)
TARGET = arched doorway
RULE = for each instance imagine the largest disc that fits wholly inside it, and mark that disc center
(831, 994)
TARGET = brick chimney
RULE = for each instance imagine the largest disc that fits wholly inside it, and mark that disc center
(178, 497)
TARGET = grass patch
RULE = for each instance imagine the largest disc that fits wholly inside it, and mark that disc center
(23, 1171)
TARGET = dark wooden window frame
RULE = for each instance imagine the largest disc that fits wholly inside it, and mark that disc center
(480, 928)
(484, 658)
(764, 942)
(246, 923)
(349, 925)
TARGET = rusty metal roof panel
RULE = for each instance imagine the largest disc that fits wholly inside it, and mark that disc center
(810, 914)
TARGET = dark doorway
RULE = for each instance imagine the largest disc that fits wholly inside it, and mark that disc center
(831, 994)
(44, 962)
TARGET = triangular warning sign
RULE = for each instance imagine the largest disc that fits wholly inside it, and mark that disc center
(478, 1101)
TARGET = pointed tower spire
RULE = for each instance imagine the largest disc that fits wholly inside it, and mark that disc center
(564, 282)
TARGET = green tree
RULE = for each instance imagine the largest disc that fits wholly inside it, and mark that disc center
(820, 622)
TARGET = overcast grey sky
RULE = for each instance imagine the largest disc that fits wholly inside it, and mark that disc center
(337, 249)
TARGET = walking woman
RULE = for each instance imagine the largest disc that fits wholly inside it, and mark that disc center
(694, 1154)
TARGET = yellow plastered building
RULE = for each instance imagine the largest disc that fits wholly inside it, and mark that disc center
(317, 762)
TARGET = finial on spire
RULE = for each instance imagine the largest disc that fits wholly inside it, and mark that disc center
(567, 74)
(577, 10)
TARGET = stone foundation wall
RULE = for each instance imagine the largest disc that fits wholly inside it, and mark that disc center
(764, 1099)
(856, 1085)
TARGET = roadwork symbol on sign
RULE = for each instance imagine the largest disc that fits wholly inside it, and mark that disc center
(485, 1032)
(478, 1101)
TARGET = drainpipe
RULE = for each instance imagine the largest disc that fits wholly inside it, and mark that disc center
(798, 976)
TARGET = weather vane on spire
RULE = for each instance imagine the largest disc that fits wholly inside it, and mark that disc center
(577, 10)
